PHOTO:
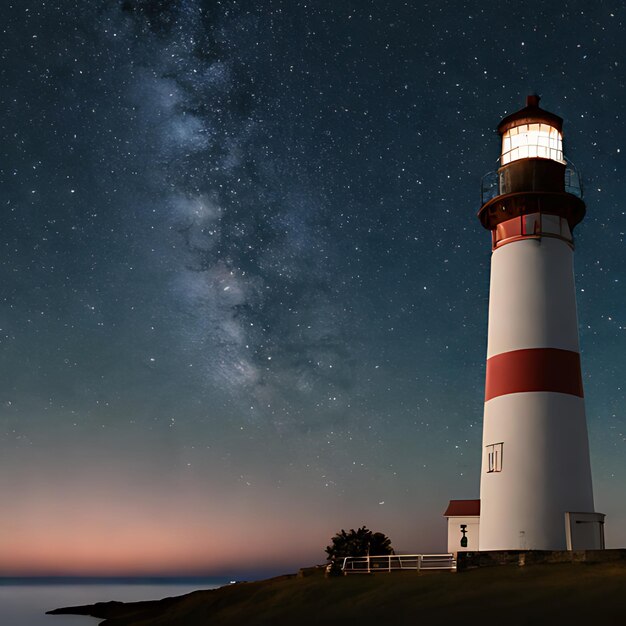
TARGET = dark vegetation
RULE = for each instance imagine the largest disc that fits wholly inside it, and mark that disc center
(359, 542)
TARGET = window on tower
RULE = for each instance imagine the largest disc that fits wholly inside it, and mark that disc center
(494, 457)
(532, 141)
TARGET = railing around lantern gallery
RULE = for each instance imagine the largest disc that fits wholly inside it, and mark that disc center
(398, 562)
(489, 187)
(491, 184)
(573, 180)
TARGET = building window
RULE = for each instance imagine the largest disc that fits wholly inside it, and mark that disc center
(494, 457)
(463, 535)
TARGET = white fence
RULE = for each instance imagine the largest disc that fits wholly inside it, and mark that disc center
(398, 562)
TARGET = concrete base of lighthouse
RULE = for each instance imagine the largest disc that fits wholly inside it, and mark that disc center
(472, 560)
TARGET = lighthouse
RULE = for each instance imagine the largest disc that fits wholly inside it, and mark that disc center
(535, 485)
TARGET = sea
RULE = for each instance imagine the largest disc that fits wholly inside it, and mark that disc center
(24, 601)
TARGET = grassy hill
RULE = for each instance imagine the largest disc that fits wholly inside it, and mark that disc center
(579, 593)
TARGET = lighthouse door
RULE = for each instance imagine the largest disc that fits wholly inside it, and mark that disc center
(584, 531)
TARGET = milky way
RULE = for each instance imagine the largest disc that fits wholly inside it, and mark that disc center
(244, 287)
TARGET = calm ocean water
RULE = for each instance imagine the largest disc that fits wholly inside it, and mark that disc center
(24, 603)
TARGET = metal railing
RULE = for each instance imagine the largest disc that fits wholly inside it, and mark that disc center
(398, 562)
(573, 180)
(491, 184)
(489, 187)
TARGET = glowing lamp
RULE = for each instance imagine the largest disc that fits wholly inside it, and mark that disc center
(529, 141)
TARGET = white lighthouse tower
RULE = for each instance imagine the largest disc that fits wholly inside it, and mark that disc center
(535, 488)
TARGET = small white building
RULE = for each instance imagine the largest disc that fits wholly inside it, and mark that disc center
(463, 525)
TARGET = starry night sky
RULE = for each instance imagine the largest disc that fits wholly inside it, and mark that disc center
(244, 290)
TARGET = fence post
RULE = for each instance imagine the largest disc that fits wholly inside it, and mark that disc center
(419, 562)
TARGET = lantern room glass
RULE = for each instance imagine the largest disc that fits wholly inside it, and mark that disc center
(529, 141)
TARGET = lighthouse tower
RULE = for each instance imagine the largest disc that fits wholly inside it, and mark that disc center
(535, 488)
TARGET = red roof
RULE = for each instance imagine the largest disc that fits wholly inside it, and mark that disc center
(463, 508)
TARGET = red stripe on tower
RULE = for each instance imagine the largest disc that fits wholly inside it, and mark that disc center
(534, 369)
